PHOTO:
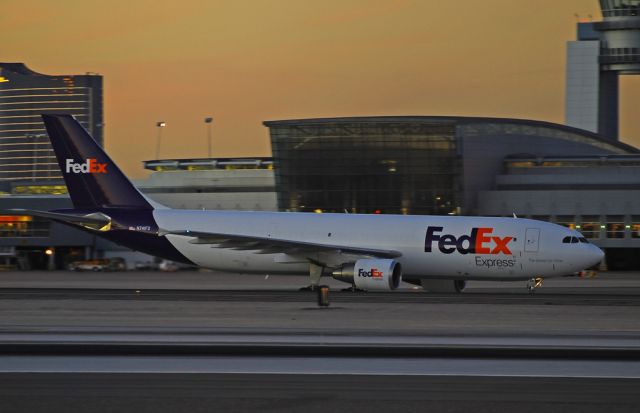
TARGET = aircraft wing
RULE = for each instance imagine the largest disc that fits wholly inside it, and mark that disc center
(267, 245)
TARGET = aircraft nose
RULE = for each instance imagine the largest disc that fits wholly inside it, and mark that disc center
(597, 254)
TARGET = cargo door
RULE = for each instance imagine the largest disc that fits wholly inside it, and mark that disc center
(532, 238)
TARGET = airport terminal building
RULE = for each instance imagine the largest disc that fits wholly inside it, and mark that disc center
(413, 164)
(212, 183)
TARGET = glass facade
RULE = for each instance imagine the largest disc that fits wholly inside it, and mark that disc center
(12, 226)
(366, 165)
(25, 150)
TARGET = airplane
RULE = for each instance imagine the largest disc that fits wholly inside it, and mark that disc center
(370, 252)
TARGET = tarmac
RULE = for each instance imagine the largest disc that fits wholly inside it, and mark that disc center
(214, 280)
(202, 341)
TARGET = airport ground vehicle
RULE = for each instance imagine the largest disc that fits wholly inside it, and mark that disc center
(105, 264)
(89, 265)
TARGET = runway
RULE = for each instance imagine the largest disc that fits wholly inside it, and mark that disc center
(201, 341)
(99, 393)
(555, 297)
(258, 380)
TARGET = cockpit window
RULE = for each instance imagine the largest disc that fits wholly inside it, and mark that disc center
(574, 240)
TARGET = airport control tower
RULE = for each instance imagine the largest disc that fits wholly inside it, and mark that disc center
(603, 51)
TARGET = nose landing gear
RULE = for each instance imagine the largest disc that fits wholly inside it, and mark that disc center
(534, 283)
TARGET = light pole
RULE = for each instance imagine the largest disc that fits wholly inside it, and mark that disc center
(159, 125)
(208, 121)
(51, 263)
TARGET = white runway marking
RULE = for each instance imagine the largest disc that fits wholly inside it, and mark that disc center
(322, 366)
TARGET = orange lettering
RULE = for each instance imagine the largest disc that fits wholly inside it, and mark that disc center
(481, 239)
(501, 245)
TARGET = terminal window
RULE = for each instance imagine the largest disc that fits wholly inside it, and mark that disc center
(635, 226)
(22, 226)
(568, 221)
(615, 227)
(590, 227)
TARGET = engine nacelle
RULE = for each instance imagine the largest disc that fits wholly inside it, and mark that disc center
(371, 274)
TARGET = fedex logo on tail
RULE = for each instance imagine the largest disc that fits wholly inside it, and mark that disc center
(90, 166)
(480, 241)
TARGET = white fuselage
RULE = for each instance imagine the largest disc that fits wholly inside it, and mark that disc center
(502, 249)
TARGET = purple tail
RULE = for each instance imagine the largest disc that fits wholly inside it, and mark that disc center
(92, 178)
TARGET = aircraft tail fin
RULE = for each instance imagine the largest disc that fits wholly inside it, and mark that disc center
(92, 178)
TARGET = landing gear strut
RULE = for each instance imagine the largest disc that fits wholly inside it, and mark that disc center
(315, 272)
(534, 283)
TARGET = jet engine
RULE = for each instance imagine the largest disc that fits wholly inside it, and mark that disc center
(371, 274)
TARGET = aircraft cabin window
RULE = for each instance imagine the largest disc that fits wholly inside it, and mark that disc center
(574, 240)
(583, 240)
(566, 240)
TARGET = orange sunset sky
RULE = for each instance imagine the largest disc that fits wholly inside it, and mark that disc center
(243, 62)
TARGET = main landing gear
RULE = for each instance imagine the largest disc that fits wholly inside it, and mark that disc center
(534, 283)
(315, 272)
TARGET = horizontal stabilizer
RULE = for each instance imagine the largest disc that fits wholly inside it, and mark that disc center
(96, 220)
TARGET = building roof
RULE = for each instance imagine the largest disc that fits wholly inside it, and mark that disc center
(457, 120)
(22, 69)
(19, 68)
